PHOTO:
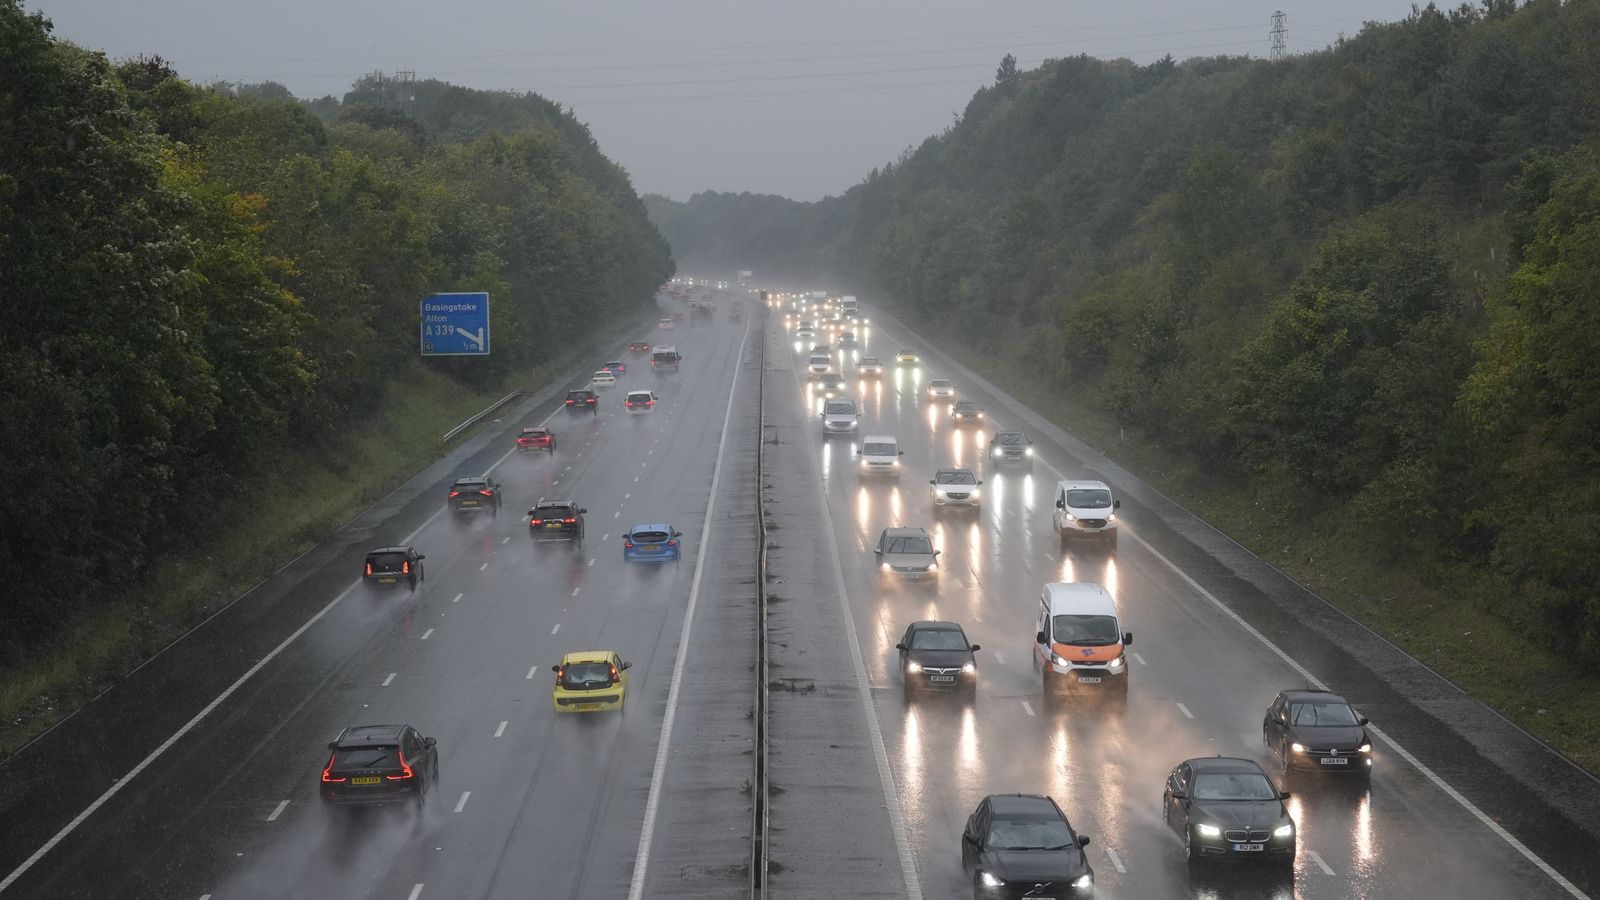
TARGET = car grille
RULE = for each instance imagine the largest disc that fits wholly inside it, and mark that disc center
(955, 496)
(1092, 523)
(910, 570)
(569, 701)
(1241, 836)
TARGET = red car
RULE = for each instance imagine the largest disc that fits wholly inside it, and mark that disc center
(534, 438)
(639, 346)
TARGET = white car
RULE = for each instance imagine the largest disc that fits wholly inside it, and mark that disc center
(818, 364)
(880, 455)
(666, 324)
(955, 488)
(870, 366)
(640, 402)
(942, 388)
(805, 332)
(603, 379)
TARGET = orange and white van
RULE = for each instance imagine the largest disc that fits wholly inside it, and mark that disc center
(1079, 640)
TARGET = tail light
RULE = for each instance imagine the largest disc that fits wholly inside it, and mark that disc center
(369, 568)
(455, 493)
(405, 770)
(649, 403)
(628, 544)
(672, 543)
(613, 673)
(570, 521)
(561, 675)
(535, 521)
(327, 771)
(405, 567)
(569, 402)
(487, 493)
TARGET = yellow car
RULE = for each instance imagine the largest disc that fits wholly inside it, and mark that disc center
(906, 358)
(590, 681)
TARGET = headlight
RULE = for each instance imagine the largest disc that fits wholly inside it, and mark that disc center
(1117, 663)
(1060, 661)
(933, 567)
(1028, 452)
(1069, 517)
(980, 415)
(1283, 831)
(989, 880)
(1208, 831)
(913, 667)
(968, 668)
(1298, 747)
(1364, 748)
(885, 566)
(976, 493)
(996, 451)
(1083, 881)
(1111, 517)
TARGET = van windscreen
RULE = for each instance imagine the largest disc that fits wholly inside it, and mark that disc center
(1085, 631)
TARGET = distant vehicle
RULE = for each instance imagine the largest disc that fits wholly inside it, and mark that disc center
(847, 339)
(880, 455)
(840, 416)
(556, 520)
(869, 367)
(667, 324)
(906, 553)
(938, 656)
(1011, 447)
(638, 346)
(1228, 809)
(535, 437)
(394, 565)
(1307, 729)
(656, 542)
(476, 493)
(615, 367)
(640, 402)
(849, 306)
(830, 384)
(818, 363)
(907, 358)
(805, 332)
(1085, 509)
(380, 764)
(1015, 844)
(667, 358)
(603, 379)
(590, 681)
(967, 412)
(941, 389)
(583, 400)
(955, 488)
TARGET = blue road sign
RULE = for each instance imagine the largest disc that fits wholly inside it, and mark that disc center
(455, 324)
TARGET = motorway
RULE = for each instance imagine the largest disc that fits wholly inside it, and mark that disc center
(197, 777)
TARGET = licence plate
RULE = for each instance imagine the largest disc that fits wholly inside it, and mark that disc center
(387, 580)
(1088, 679)
(587, 706)
(552, 524)
(650, 547)
(469, 503)
(367, 779)
(1249, 848)
(1336, 761)
(942, 679)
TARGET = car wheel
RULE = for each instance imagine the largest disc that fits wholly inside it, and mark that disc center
(1193, 850)
(977, 887)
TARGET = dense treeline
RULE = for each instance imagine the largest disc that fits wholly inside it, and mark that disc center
(199, 279)
(1364, 283)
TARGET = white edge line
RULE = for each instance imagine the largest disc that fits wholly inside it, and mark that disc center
(277, 810)
(416, 891)
(1185, 710)
(532, 670)
(1027, 707)
(1116, 861)
(641, 859)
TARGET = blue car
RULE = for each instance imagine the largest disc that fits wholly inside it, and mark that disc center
(656, 542)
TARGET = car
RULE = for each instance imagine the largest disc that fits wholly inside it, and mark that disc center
(638, 346)
(817, 364)
(603, 379)
(475, 493)
(880, 455)
(805, 332)
(941, 389)
(956, 488)
(665, 358)
(1078, 640)
(840, 416)
(966, 412)
(667, 324)
(590, 681)
(556, 520)
(1022, 845)
(380, 764)
(1227, 808)
(1011, 447)
(584, 400)
(869, 366)
(937, 655)
(1085, 509)
(906, 552)
(824, 349)
(535, 437)
(615, 367)
(651, 542)
(906, 358)
(847, 339)
(1310, 729)
(394, 565)
(830, 384)
(640, 402)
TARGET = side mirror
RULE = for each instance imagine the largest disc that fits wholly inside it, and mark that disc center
(677, 534)
(1362, 721)
(1061, 504)
(1178, 795)
(1083, 840)
(1284, 795)
(974, 648)
(1127, 638)
(969, 837)
(1039, 637)
(900, 452)
(931, 481)
(556, 669)
(422, 556)
(937, 552)
(431, 742)
(626, 665)
(581, 510)
(877, 551)
(900, 646)
(1116, 504)
(980, 481)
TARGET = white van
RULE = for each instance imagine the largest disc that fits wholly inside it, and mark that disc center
(1079, 640)
(880, 455)
(818, 364)
(840, 415)
(1085, 509)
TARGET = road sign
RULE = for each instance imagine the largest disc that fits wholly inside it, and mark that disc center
(455, 324)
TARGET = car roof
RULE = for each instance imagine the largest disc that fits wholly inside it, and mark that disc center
(586, 656)
(954, 469)
(867, 359)
(1032, 804)
(468, 479)
(1229, 764)
(905, 531)
(388, 550)
(938, 381)
(556, 502)
(650, 526)
(666, 348)
(879, 439)
(367, 735)
(1303, 694)
(935, 625)
(1082, 485)
(961, 403)
(579, 391)
(1081, 598)
(528, 428)
(1010, 431)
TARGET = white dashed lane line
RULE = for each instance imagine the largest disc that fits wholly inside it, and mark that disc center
(482, 567)
(1116, 861)
(530, 673)
(502, 729)
(390, 678)
(1027, 707)
(427, 634)
(461, 804)
(626, 496)
(556, 629)
(1185, 710)
(591, 561)
(998, 658)
(1139, 659)
(416, 891)
(458, 598)
(576, 590)
(505, 540)
(278, 810)
(617, 514)
(1317, 858)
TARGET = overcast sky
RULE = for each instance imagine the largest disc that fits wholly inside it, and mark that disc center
(799, 98)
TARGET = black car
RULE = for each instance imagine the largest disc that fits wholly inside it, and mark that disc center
(1021, 845)
(937, 655)
(394, 565)
(1309, 729)
(380, 764)
(583, 401)
(966, 412)
(1011, 447)
(556, 520)
(475, 493)
(1228, 809)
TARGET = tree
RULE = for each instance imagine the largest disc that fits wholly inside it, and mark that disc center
(1006, 74)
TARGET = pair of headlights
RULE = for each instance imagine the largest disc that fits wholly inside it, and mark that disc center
(1081, 882)
(1301, 748)
(915, 667)
(1282, 831)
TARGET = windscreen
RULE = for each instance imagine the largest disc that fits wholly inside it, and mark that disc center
(955, 478)
(839, 408)
(1085, 631)
(908, 544)
(386, 562)
(1328, 714)
(938, 639)
(1089, 498)
(366, 758)
(1011, 439)
(1233, 786)
(649, 537)
(638, 398)
(586, 675)
(878, 450)
(1030, 834)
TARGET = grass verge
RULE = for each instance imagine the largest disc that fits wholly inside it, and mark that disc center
(1440, 617)
(301, 500)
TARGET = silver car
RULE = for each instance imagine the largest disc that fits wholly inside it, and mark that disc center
(955, 488)
(906, 553)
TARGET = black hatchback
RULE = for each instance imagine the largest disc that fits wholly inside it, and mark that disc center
(583, 401)
(556, 520)
(1309, 729)
(1021, 845)
(475, 493)
(380, 764)
(937, 655)
(394, 565)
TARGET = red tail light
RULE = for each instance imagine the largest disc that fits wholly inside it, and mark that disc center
(561, 674)
(455, 493)
(628, 544)
(535, 521)
(327, 771)
(649, 403)
(672, 543)
(405, 567)
(569, 402)
(613, 674)
(570, 521)
(487, 493)
(405, 770)
(369, 568)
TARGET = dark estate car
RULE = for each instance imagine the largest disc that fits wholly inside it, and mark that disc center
(393, 565)
(938, 655)
(583, 400)
(556, 520)
(1011, 447)
(1309, 729)
(967, 412)
(475, 493)
(380, 764)
(1228, 809)
(1021, 845)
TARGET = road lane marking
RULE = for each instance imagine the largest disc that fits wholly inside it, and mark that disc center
(1185, 710)
(427, 634)
(505, 540)
(556, 629)
(604, 537)
(416, 891)
(1116, 861)
(997, 657)
(390, 678)
(591, 560)
(278, 811)
(626, 496)
(531, 671)
(617, 514)
(458, 598)
(635, 479)
(576, 590)
(1027, 707)
(1317, 858)
(502, 729)
(1140, 659)
(461, 804)
(641, 860)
